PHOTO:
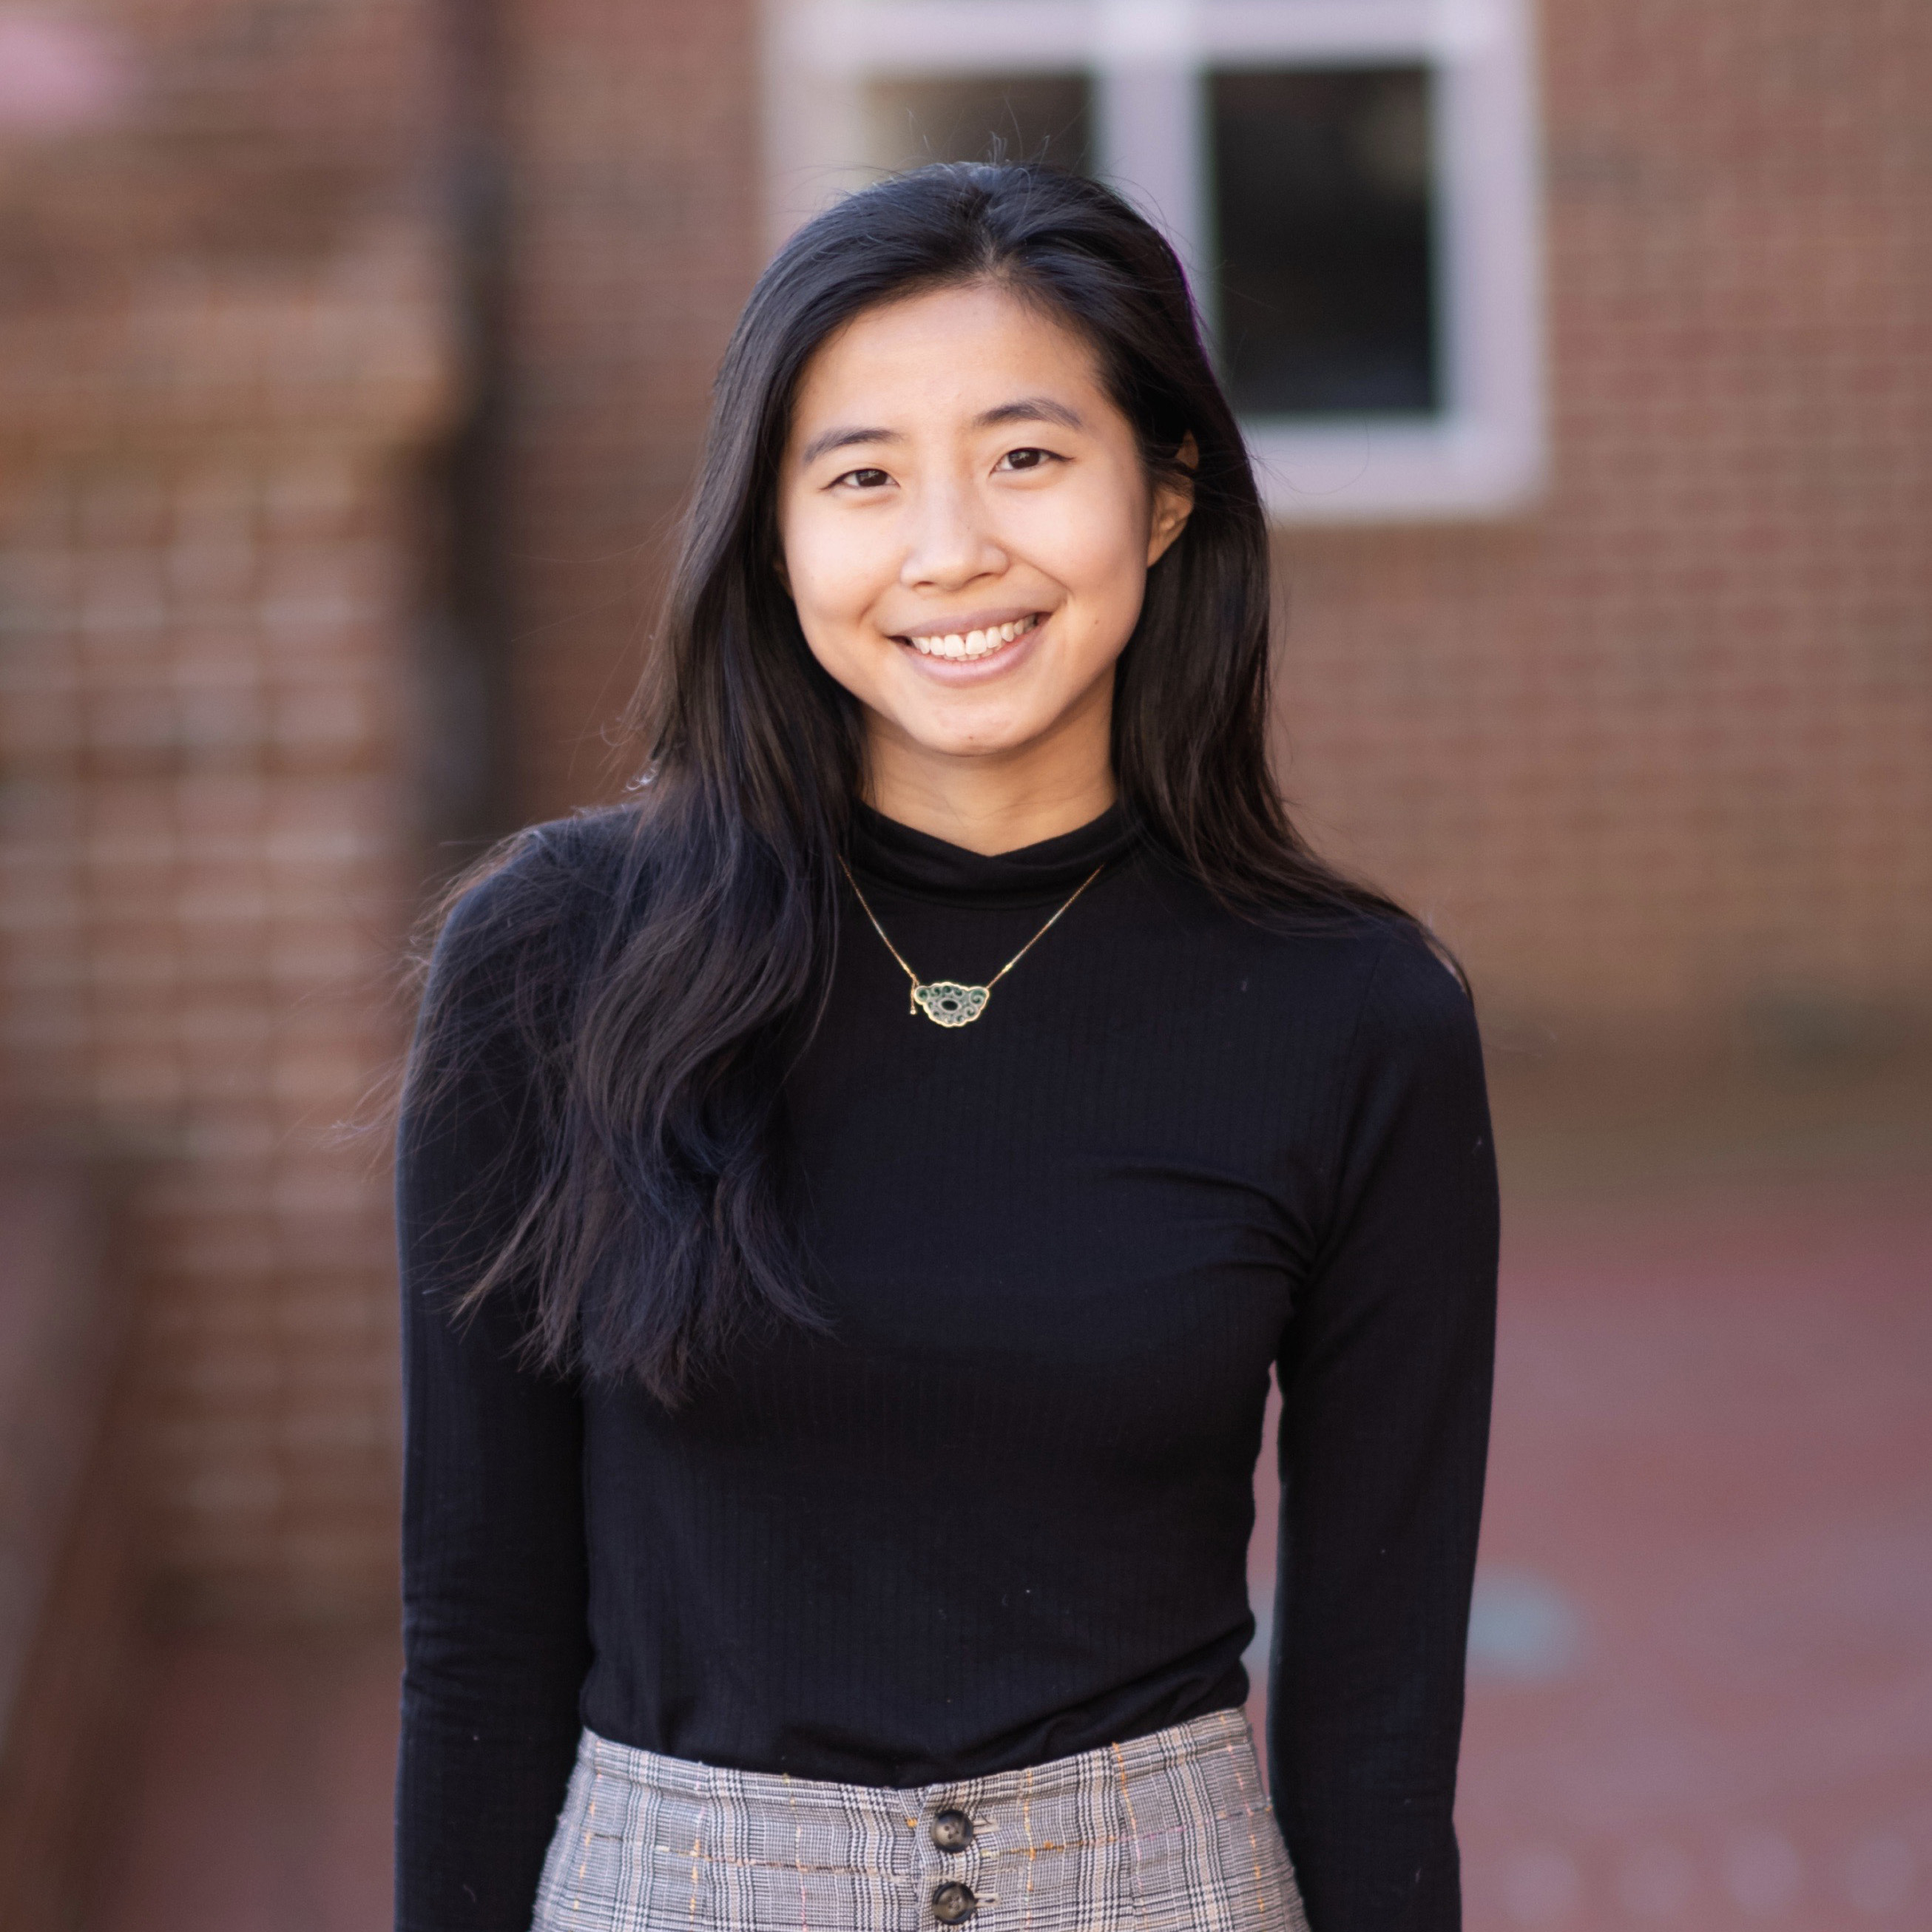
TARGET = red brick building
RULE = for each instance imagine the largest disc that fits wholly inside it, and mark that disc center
(352, 361)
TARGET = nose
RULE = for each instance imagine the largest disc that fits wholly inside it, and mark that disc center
(948, 542)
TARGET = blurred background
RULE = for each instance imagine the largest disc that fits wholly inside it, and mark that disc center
(353, 356)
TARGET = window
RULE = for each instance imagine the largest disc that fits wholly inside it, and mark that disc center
(1322, 213)
(1350, 184)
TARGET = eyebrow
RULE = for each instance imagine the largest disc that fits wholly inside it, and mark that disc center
(1030, 409)
(1026, 408)
(840, 439)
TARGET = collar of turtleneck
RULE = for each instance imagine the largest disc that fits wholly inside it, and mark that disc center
(885, 852)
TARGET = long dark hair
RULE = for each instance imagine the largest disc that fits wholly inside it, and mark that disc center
(662, 996)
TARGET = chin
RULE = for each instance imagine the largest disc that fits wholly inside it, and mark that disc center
(962, 731)
(970, 745)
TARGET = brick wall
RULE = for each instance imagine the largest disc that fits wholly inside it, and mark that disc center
(1659, 758)
(633, 237)
(72, 1545)
(214, 403)
(206, 859)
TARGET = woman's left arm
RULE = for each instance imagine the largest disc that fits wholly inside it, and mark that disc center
(1385, 1370)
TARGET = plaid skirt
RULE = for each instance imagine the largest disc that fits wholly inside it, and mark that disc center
(1168, 1833)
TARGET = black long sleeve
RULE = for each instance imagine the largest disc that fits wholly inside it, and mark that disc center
(1385, 1374)
(495, 1640)
(1000, 1512)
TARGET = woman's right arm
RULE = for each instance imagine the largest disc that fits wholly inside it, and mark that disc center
(495, 1645)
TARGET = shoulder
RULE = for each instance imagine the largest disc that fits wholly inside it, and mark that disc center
(1409, 982)
(1410, 1003)
(1376, 984)
(558, 869)
(543, 891)
(1414, 1047)
(1331, 966)
(515, 938)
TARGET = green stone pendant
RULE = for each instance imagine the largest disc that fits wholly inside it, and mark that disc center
(947, 1004)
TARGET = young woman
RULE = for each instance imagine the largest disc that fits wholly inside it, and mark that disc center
(853, 1195)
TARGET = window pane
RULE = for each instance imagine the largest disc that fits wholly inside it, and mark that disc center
(1323, 206)
(971, 117)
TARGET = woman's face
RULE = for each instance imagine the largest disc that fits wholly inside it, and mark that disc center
(967, 525)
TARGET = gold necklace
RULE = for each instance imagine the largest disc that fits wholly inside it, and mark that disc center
(945, 1002)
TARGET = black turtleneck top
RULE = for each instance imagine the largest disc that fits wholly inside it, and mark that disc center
(1001, 1513)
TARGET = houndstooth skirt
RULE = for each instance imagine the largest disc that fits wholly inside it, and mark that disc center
(1168, 1833)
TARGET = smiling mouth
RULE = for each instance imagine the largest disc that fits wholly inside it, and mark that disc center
(962, 646)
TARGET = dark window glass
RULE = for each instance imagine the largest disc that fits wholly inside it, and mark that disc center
(1323, 208)
(1034, 117)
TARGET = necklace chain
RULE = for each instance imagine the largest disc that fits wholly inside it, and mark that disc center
(946, 1002)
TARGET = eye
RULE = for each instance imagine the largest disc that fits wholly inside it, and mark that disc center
(862, 479)
(1027, 459)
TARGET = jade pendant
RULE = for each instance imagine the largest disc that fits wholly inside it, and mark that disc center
(948, 1004)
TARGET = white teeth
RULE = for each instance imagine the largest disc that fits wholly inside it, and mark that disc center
(958, 646)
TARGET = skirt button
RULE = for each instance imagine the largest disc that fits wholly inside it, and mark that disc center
(953, 1902)
(952, 1831)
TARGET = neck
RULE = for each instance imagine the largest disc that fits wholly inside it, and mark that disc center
(993, 802)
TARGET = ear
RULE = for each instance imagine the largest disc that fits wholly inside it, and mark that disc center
(1173, 501)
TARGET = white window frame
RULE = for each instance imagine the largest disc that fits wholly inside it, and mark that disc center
(1485, 454)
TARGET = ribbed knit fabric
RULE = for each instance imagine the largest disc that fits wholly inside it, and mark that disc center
(1001, 1515)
